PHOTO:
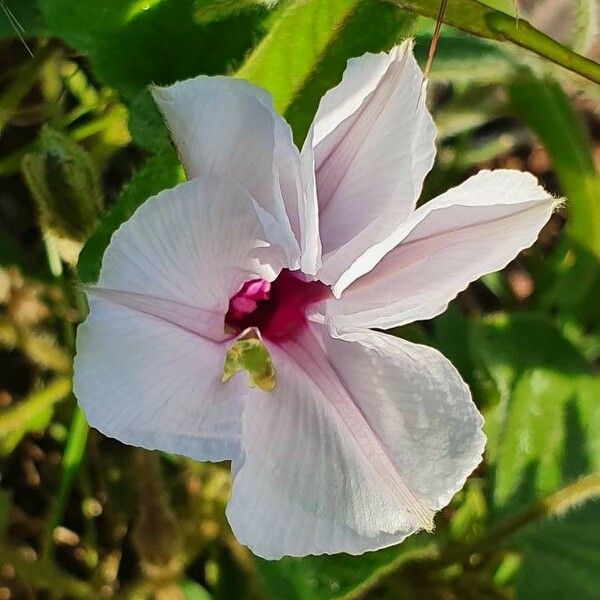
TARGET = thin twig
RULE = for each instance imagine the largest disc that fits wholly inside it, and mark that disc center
(585, 489)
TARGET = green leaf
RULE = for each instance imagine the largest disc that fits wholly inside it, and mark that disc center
(305, 52)
(287, 55)
(160, 172)
(213, 10)
(336, 576)
(561, 557)
(451, 337)
(542, 430)
(483, 21)
(131, 43)
(146, 125)
(19, 17)
(31, 414)
(464, 58)
(561, 132)
(372, 27)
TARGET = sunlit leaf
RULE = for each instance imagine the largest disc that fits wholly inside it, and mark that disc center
(305, 52)
(212, 10)
(542, 429)
(131, 44)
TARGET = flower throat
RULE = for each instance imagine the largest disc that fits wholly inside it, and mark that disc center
(278, 309)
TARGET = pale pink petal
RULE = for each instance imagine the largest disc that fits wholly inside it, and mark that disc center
(373, 145)
(309, 213)
(473, 229)
(357, 446)
(227, 127)
(150, 383)
(150, 356)
(193, 245)
(206, 323)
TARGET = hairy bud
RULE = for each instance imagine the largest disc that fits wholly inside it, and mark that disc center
(65, 185)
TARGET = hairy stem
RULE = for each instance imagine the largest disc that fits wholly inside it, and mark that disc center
(583, 490)
(483, 21)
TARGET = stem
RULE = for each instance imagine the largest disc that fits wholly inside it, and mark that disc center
(527, 36)
(559, 502)
(155, 535)
(483, 21)
(72, 458)
(19, 88)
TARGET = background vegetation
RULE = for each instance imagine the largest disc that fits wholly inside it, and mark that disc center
(81, 146)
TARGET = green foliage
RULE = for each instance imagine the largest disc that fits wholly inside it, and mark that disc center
(19, 18)
(305, 51)
(371, 27)
(214, 10)
(132, 44)
(543, 105)
(561, 557)
(286, 57)
(71, 463)
(483, 21)
(461, 58)
(545, 408)
(534, 374)
(338, 576)
(146, 124)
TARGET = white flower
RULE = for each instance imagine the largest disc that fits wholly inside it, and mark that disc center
(364, 435)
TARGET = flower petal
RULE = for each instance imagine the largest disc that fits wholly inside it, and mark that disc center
(358, 444)
(475, 228)
(373, 145)
(152, 384)
(227, 127)
(148, 362)
(193, 245)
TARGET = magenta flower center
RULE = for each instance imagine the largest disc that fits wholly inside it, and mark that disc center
(277, 309)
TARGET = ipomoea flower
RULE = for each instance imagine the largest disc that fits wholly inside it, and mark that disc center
(279, 262)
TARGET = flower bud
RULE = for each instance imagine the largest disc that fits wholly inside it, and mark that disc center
(65, 185)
